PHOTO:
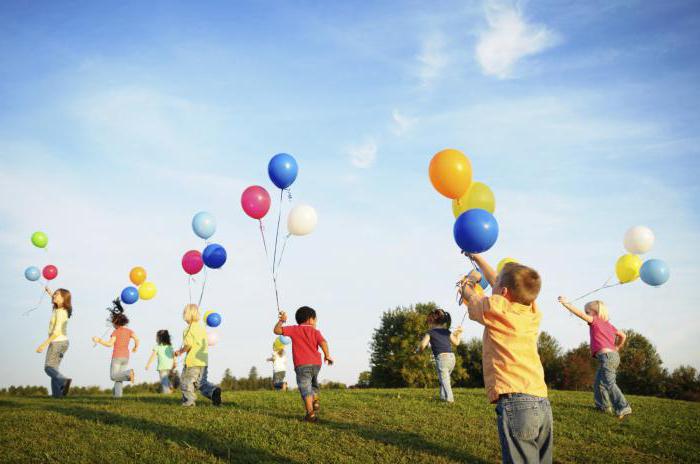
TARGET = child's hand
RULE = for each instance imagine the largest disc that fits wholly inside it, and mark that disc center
(41, 348)
(459, 329)
(95, 339)
(329, 360)
(134, 349)
(474, 277)
(563, 300)
(283, 317)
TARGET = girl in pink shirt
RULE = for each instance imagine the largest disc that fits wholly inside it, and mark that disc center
(606, 341)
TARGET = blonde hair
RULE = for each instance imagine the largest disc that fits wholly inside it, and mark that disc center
(600, 309)
(191, 313)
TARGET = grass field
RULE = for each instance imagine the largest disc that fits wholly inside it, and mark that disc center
(356, 426)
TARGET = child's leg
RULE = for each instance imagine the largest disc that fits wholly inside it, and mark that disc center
(118, 373)
(600, 393)
(609, 383)
(439, 376)
(524, 428)
(447, 365)
(316, 389)
(54, 356)
(189, 384)
(164, 381)
(304, 376)
(545, 441)
(208, 389)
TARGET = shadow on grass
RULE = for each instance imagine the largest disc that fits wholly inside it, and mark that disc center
(233, 450)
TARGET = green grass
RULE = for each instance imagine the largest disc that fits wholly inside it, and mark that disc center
(356, 426)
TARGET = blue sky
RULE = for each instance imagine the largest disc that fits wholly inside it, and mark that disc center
(119, 122)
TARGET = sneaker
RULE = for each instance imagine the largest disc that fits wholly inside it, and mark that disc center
(625, 412)
(188, 405)
(216, 397)
(310, 418)
(66, 386)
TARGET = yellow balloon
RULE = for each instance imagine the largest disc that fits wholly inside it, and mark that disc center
(204, 318)
(450, 173)
(147, 290)
(479, 195)
(627, 268)
(277, 345)
(137, 275)
(503, 262)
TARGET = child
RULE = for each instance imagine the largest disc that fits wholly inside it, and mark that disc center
(306, 340)
(441, 341)
(166, 359)
(57, 341)
(279, 368)
(513, 373)
(120, 338)
(194, 374)
(606, 341)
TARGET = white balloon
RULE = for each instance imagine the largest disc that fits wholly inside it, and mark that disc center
(302, 220)
(212, 338)
(639, 239)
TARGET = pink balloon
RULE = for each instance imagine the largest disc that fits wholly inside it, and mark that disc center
(255, 201)
(50, 272)
(192, 262)
(212, 338)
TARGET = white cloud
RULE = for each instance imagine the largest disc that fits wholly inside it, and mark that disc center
(363, 155)
(509, 38)
(401, 123)
(432, 59)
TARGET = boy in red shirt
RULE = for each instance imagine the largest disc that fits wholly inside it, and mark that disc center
(306, 340)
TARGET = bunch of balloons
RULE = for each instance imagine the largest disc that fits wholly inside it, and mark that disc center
(629, 267)
(49, 272)
(280, 342)
(212, 319)
(213, 256)
(142, 289)
(473, 203)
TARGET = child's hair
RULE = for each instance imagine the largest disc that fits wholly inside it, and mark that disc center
(116, 314)
(439, 317)
(67, 305)
(163, 337)
(599, 307)
(304, 313)
(119, 319)
(191, 313)
(523, 283)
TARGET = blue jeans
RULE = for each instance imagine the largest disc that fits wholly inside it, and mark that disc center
(307, 379)
(193, 379)
(54, 356)
(445, 364)
(605, 389)
(164, 380)
(119, 373)
(525, 429)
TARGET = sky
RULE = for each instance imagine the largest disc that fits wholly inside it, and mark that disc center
(119, 122)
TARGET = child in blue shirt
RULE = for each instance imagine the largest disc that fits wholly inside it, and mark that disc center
(441, 340)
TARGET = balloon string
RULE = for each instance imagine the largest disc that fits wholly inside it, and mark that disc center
(277, 232)
(602, 287)
(272, 272)
(279, 263)
(204, 284)
(41, 299)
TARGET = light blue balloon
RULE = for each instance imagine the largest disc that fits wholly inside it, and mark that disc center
(32, 273)
(204, 225)
(285, 340)
(654, 272)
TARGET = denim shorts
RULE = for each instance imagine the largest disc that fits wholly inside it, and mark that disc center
(307, 379)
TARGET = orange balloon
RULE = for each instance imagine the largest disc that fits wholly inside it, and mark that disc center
(450, 173)
(138, 275)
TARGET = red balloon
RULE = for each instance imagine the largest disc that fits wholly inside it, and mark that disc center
(192, 262)
(50, 272)
(255, 201)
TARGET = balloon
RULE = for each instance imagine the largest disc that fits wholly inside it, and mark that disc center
(627, 268)
(255, 201)
(639, 240)
(39, 239)
(212, 338)
(214, 320)
(130, 295)
(503, 262)
(147, 290)
(654, 272)
(479, 289)
(204, 318)
(137, 275)
(204, 225)
(285, 340)
(50, 272)
(475, 231)
(32, 273)
(302, 220)
(192, 262)
(277, 345)
(450, 173)
(282, 170)
(214, 256)
(479, 195)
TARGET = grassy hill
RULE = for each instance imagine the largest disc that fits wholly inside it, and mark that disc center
(356, 426)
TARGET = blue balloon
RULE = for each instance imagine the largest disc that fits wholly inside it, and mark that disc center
(32, 273)
(654, 272)
(214, 256)
(285, 340)
(475, 230)
(214, 320)
(282, 170)
(130, 295)
(204, 225)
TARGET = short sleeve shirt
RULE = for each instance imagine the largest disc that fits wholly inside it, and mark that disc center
(196, 338)
(165, 357)
(121, 344)
(602, 335)
(59, 325)
(305, 342)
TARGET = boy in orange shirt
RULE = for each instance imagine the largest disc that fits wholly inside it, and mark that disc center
(513, 373)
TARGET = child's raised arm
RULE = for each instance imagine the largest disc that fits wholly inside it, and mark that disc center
(455, 337)
(48, 291)
(278, 327)
(150, 360)
(485, 267)
(423, 343)
(574, 310)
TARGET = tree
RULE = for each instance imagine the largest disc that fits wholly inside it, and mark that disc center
(578, 372)
(228, 380)
(363, 381)
(471, 357)
(683, 384)
(640, 370)
(550, 353)
(253, 374)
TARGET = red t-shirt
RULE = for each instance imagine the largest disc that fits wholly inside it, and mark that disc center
(121, 344)
(305, 342)
(602, 335)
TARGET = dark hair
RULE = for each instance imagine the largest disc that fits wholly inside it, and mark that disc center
(304, 313)
(116, 314)
(163, 337)
(67, 305)
(120, 320)
(439, 317)
(523, 283)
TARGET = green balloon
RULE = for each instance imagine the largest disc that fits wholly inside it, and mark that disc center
(40, 240)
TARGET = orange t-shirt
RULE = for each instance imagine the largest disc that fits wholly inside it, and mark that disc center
(510, 359)
(121, 344)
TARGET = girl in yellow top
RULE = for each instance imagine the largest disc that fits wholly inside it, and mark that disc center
(57, 341)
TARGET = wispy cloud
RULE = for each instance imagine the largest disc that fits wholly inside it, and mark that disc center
(432, 59)
(509, 38)
(401, 123)
(363, 155)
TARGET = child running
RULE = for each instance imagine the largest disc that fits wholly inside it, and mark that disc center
(606, 341)
(441, 341)
(166, 359)
(279, 369)
(194, 374)
(513, 373)
(306, 340)
(120, 339)
(57, 341)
